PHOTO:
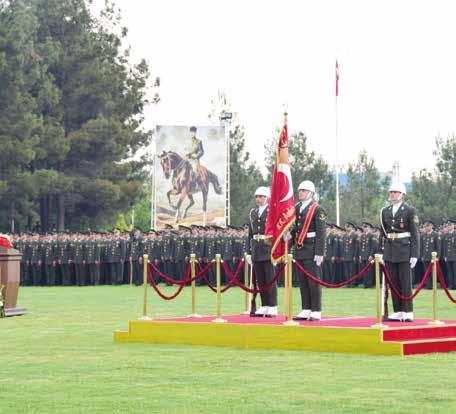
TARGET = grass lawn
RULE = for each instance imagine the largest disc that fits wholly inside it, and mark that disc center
(61, 358)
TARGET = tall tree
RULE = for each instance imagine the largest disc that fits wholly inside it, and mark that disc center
(245, 177)
(434, 193)
(82, 103)
(363, 196)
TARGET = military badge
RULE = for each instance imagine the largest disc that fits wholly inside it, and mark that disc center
(415, 219)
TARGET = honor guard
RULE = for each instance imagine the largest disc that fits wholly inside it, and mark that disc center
(260, 253)
(309, 236)
(401, 248)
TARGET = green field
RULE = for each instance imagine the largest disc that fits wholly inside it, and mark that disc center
(61, 358)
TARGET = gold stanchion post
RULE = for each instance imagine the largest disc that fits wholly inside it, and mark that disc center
(247, 284)
(285, 282)
(378, 294)
(288, 277)
(193, 273)
(145, 263)
(435, 319)
(218, 319)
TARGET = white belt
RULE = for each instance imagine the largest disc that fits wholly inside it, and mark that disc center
(394, 236)
(259, 237)
(311, 235)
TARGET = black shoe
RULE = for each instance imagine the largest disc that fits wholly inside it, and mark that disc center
(314, 319)
(254, 315)
(408, 320)
(300, 318)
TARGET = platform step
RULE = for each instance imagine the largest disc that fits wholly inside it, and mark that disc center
(429, 346)
(413, 333)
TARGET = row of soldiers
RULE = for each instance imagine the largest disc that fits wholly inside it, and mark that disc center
(93, 258)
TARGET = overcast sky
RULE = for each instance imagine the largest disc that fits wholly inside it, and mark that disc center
(397, 65)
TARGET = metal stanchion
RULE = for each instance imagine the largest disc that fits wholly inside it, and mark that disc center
(145, 263)
(193, 273)
(288, 277)
(378, 294)
(218, 319)
(246, 284)
(435, 319)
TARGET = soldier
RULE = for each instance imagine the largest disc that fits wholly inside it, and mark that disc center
(309, 244)
(50, 263)
(402, 245)
(449, 254)
(430, 242)
(136, 256)
(329, 268)
(260, 253)
(36, 260)
(365, 253)
(349, 250)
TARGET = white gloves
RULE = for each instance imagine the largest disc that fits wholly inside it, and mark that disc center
(318, 260)
(249, 259)
(413, 261)
(287, 237)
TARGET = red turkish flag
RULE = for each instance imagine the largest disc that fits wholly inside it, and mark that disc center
(281, 204)
(5, 241)
(337, 78)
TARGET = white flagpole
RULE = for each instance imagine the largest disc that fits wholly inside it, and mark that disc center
(337, 151)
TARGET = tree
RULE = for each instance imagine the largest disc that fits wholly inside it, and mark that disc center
(434, 193)
(75, 109)
(245, 177)
(363, 196)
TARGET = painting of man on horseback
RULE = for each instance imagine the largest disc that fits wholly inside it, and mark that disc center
(183, 178)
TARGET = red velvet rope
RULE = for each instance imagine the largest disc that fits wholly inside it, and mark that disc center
(263, 288)
(186, 279)
(162, 295)
(228, 273)
(330, 285)
(443, 283)
(394, 289)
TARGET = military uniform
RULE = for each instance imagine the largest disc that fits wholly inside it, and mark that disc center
(260, 252)
(313, 245)
(401, 244)
(349, 249)
(449, 257)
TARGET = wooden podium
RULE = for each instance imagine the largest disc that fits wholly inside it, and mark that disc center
(10, 261)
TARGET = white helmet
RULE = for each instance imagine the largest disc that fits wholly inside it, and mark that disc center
(398, 186)
(262, 191)
(307, 185)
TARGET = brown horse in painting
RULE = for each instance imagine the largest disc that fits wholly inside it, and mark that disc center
(185, 181)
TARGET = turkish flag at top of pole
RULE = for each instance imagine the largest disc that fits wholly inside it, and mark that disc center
(281, 204)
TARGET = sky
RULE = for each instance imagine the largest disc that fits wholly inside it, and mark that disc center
(397, 66)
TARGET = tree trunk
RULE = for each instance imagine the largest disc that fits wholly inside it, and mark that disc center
(44, 214)
(61, 212)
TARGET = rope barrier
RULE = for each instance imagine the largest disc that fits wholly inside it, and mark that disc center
(443, 283)
(162, 295)
(330, 285)
(186, 279)
(263, 288)
(394, 289)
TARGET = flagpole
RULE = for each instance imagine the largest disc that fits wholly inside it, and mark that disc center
(337, 149)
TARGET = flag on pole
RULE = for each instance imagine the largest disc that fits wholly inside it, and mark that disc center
(337, 78)
(281, 204)
(5, 241)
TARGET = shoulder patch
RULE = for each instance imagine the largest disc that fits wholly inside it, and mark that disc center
(415, 219)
